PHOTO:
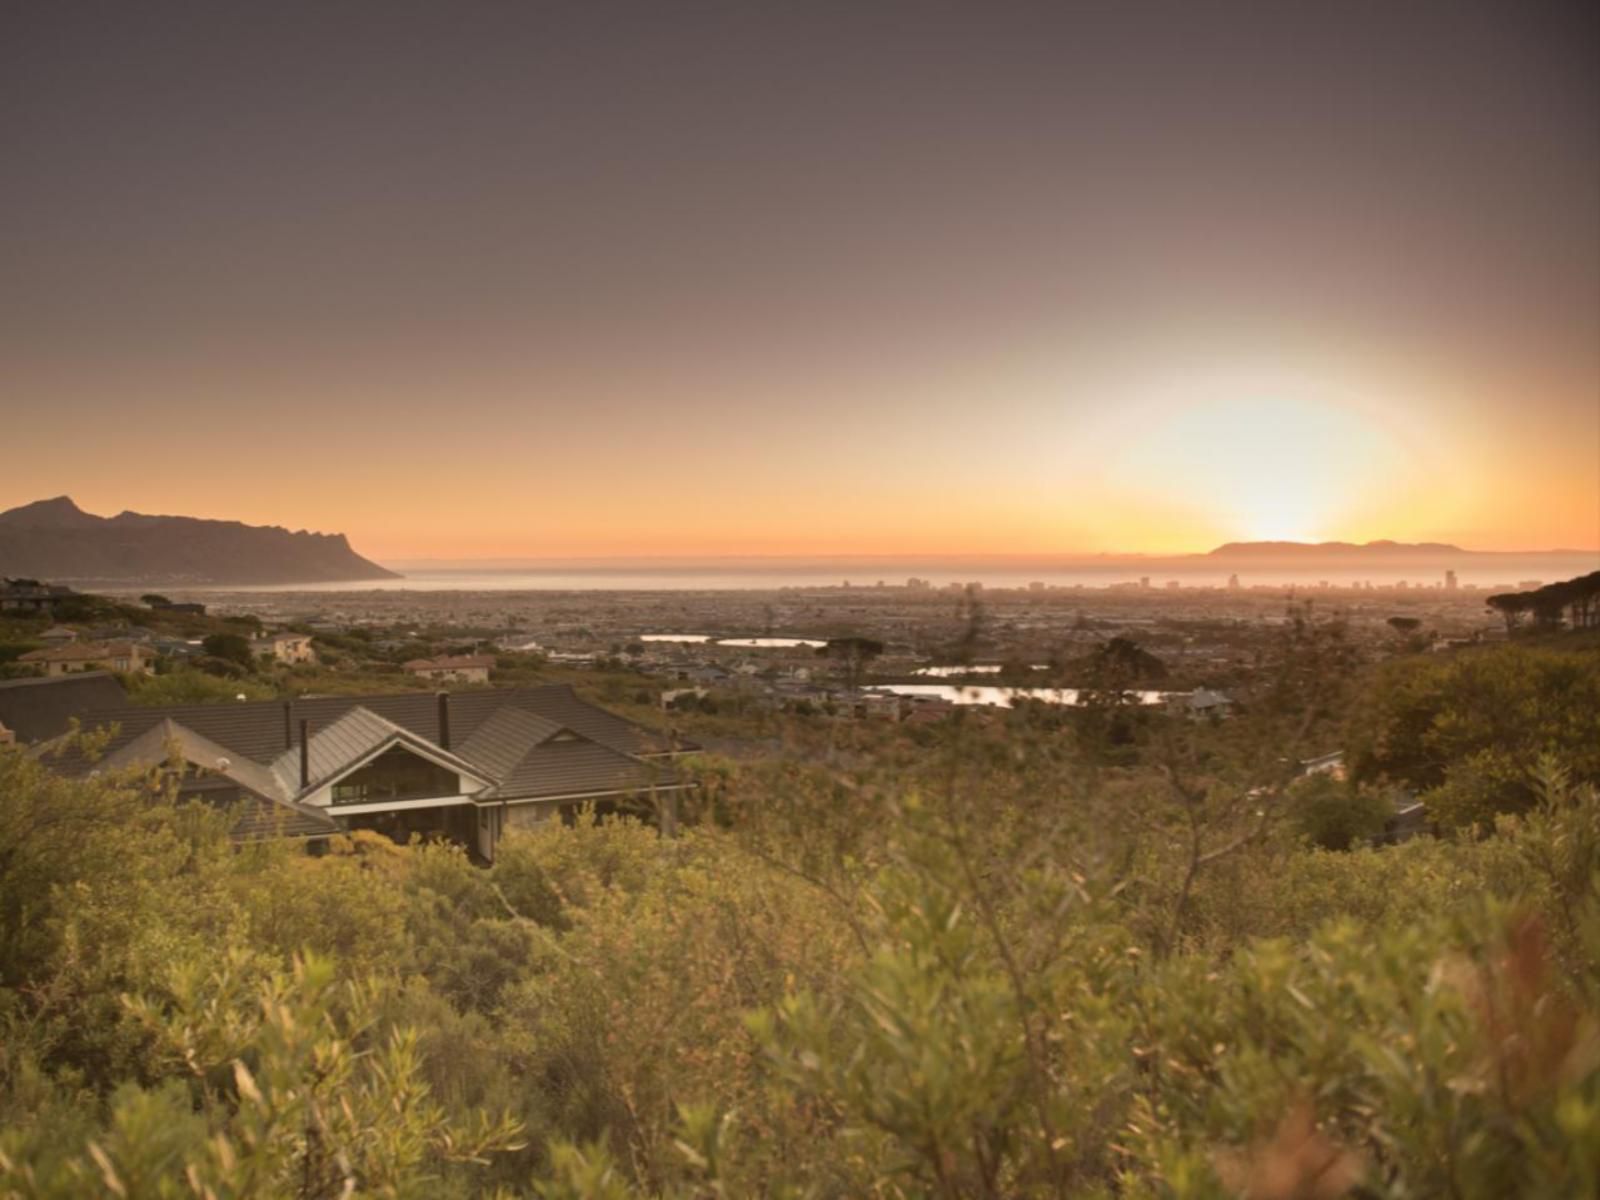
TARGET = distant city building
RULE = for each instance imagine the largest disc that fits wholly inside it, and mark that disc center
(1233, 583)
(1450, 583)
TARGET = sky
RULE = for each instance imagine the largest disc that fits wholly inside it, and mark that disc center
(522, 279)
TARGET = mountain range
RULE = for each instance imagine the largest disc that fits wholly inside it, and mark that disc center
(56, 540)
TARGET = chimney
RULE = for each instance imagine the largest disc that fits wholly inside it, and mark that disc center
(288, 724)
(444, 720)
(305, 752)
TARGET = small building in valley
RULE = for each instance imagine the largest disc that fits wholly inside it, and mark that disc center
(460, 668)
(123, 656)
(290, 648)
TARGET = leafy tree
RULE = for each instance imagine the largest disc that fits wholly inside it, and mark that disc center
(230, 647)
(1333, 815)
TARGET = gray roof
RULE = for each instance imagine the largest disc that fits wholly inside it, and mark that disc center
(502, 741)
(269, 808)
(39, 709)
(540, 743)
(355, 736)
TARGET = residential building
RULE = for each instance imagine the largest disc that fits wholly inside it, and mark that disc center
(121, 656)
(460, 668)
(58, 635)
(466, 767)
(30, 598)
(288, 648)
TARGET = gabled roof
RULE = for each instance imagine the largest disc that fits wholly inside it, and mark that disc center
(459, 662)
(351, 740)
(83, 651)
(522, 743)
(502, 741)
(269, 809)
(568, 765)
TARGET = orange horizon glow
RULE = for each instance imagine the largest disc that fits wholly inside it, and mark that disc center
(1182, 462)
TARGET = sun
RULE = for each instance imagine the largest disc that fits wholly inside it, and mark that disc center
(1266, 460)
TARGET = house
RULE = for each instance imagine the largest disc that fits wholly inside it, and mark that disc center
(1202, 702)
(122, 656)
(460, 668)
(30, 598)
(35, 710)
(58, 635)
(1324, 764)
(285, 647)
(466, 767)
(186, 608)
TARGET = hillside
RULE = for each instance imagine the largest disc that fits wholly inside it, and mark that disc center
(57, 540)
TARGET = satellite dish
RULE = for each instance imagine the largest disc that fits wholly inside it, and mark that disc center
(240, 696)
(223, 763)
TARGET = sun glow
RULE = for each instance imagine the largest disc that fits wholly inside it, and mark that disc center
(1268, 460)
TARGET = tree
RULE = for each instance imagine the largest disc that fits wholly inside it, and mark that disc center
(1334, 815)
(231, 648)
(154, 600)
(854, 653)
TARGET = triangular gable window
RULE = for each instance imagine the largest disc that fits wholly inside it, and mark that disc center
(396, 774)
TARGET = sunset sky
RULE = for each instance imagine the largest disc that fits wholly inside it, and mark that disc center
(480, 279)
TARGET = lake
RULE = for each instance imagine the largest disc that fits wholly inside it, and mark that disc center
(995, 697)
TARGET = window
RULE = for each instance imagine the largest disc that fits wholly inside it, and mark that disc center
(396, 774)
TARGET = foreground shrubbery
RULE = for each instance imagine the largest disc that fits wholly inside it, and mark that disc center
(1003, 975)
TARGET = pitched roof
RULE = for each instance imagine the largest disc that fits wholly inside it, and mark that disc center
(568, 765)
(459, 662)
(83, 652)
(354, 737)
(523, 743)
(268, 808)
(39, 709)
(502, 741)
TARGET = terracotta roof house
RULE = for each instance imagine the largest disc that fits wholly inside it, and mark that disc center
(465, 767)
(461, 668)
(92, 656)
(58, 635)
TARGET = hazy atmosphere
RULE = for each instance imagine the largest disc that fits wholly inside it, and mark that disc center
(468, 281)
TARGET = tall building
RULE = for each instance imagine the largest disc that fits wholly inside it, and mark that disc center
(1450, 583)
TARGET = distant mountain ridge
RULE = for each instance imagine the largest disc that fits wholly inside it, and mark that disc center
(1378, 549)
(56, 540)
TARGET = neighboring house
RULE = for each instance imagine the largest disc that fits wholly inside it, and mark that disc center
(36, 710)
(187, 608)
(465, 767)
(285, 647)
(58, 635)
(30, 598)
(462, 668)
(1202, 702)
(92, 656)
(1324, 764)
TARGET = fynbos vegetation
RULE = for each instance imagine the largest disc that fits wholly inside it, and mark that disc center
(1074, 953)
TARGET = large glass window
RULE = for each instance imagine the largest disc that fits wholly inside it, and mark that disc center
(396, 775)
